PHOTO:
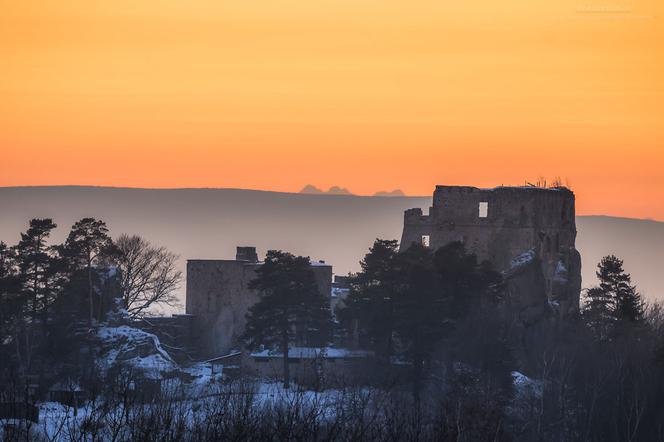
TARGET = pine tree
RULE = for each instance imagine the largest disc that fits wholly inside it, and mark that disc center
(420, 311)
(7, 260)
(290, 305)
(628, 304)
(615, 300)
(405, 303)
(29, 284)
(36, 264)
(436, 291)
(12, 303)
(464, 281)
(87, 245)
(368, 311)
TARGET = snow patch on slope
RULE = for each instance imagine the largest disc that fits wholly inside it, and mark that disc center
(135, 349)
(523, 259)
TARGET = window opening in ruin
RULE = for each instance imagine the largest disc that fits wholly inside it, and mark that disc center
(426, 240)
(484, 209)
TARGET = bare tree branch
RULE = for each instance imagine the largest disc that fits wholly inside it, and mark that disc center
(149, 275)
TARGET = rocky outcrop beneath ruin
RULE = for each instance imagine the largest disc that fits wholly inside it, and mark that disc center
(525, 287)
(537, 316)
(572, 290)
(528, 306)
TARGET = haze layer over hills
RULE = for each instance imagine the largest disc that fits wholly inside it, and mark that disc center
(209, 223)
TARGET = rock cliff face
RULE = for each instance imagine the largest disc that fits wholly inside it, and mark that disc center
(119, 346)
(525, 286)
(528, 233)
(134, 351)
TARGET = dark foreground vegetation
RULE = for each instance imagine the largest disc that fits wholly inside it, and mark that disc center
(454, 358)
(242, 412)
(51, 294)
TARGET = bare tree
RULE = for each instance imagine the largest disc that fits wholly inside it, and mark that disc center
(148, 275)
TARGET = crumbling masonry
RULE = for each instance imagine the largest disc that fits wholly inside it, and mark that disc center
(513, 228)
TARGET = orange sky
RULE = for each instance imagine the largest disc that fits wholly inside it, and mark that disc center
(365, 94)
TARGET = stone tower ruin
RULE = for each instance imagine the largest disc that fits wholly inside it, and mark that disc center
(515, 228)
(219, 297)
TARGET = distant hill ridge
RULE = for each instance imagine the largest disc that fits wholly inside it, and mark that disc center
(208, 223)
(310, 189)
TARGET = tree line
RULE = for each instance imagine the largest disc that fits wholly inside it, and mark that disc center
(48, 291)
(441, 321)
(401, 305)
(438, 322)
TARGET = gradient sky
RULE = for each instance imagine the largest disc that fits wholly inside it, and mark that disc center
(366, 94)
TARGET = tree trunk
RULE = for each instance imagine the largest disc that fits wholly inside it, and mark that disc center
(284, 349)
(100, 308)
(417, 378)
(90, 292)
(35, 289)
(91, 348)
(45, 306)
(356, 334)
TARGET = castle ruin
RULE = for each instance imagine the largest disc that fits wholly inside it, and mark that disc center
(219, 297)
(513, 228)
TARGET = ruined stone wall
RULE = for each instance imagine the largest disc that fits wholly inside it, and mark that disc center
(516, 220)
(218, 295)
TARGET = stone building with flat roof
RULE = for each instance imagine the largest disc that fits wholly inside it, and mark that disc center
(219, 297)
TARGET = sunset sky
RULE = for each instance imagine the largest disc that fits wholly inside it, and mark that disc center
(366, 94)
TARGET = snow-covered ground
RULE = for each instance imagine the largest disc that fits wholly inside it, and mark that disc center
(135, 349)
(314, 352)
(527, 396)
(61, 422)
(210, 400)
